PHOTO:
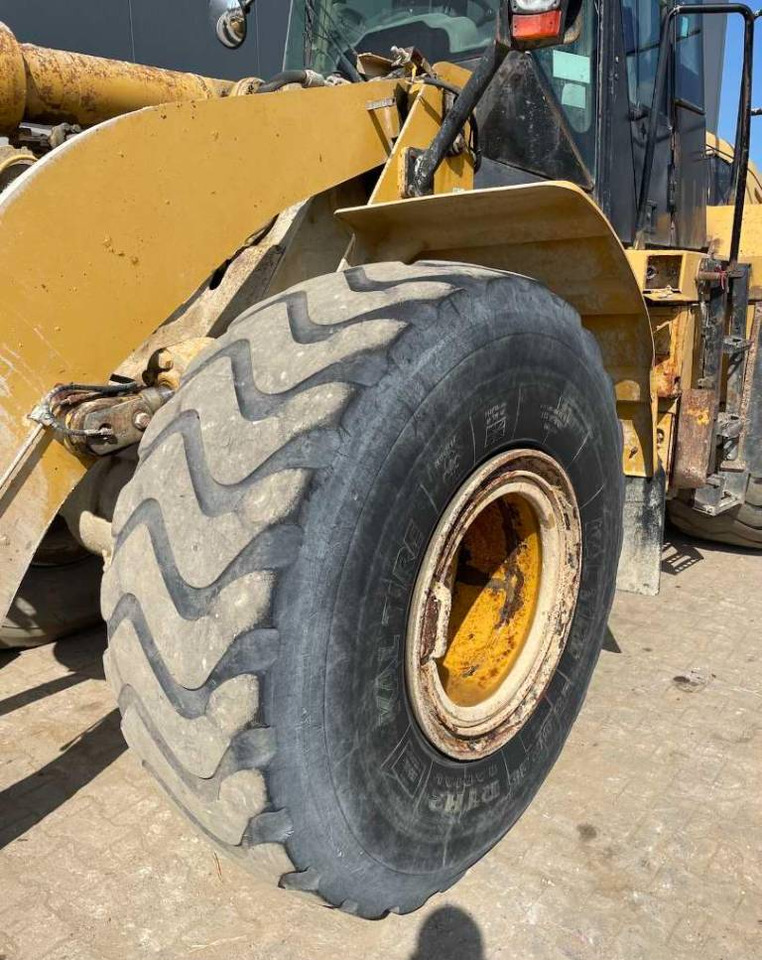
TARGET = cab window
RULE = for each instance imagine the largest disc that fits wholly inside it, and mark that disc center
(323, 30)
(642, 32)
(571, 70)
(642, 35)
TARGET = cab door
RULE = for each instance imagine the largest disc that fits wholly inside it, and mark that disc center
(676, 202)
(642, 33)
(689, 158)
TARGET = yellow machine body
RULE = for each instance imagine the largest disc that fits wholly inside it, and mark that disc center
(106, 237)
(163, 196)
(533, 230)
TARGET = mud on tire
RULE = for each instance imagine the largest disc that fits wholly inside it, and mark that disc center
(265, 554)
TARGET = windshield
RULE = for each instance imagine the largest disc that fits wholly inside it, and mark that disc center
(327, 35)
(322, 31)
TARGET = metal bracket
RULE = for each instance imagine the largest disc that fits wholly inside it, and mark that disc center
(99, 418)
(410, 160)
(721, 493)
(733, 345)
(729, 426)
(125, 419)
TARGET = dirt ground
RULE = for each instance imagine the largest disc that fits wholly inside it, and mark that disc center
(645, 843)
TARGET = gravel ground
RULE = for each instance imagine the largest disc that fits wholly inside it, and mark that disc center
(644, 843)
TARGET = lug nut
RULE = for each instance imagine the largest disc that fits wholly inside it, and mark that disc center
(141, 420)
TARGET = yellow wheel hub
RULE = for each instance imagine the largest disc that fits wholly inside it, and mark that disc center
(493, 603)
(496, 577)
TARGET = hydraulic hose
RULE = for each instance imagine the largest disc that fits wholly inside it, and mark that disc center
(456, 91)
(305, 78)
(429, 161)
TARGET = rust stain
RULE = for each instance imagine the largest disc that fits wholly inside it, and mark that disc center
(695, 438)
(669, 334)
(700, 415)
(495, 584)
(55, 86)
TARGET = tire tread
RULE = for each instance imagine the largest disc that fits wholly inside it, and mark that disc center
(212, 515)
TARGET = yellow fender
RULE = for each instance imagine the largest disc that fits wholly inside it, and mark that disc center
(555, 233)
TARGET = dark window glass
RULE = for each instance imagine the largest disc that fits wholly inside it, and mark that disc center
(642, 33)
(441, 29)
(689, 61)
(571, 70)
(720, 172)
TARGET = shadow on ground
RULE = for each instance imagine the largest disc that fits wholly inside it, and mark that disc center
(609, 642)
(31, 799)
(81, 655)
(449, 934)
(680, 553)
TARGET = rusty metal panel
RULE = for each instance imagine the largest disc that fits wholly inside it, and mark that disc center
(673, 330)
(695, 438)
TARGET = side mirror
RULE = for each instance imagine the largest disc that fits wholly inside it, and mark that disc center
(228, 19)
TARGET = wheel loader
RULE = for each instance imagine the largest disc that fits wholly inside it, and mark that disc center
(367, 386)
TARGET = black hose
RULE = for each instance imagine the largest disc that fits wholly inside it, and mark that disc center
(290, 76)
(456, 91)
(463, 108)
(443, 85)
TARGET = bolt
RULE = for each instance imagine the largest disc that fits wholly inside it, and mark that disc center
(141, 419)
(164, 360)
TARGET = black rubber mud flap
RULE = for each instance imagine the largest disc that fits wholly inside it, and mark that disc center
(643, 536)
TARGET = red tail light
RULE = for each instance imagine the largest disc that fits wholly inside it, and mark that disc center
(536, 26)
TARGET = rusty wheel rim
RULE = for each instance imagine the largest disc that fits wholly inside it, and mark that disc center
(493, 603)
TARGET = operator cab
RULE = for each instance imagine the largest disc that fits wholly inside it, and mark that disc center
(576, 111)
(455, 31)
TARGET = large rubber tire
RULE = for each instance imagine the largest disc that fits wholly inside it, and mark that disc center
(265, 554)
(59, 595)
(739, 527)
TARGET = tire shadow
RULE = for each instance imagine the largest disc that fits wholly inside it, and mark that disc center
(681, 552)
(82, 655)
(31, 799)
(7, 656)
(609, 642)
(449, 933)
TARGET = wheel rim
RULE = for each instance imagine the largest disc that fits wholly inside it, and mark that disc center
(493, 603)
